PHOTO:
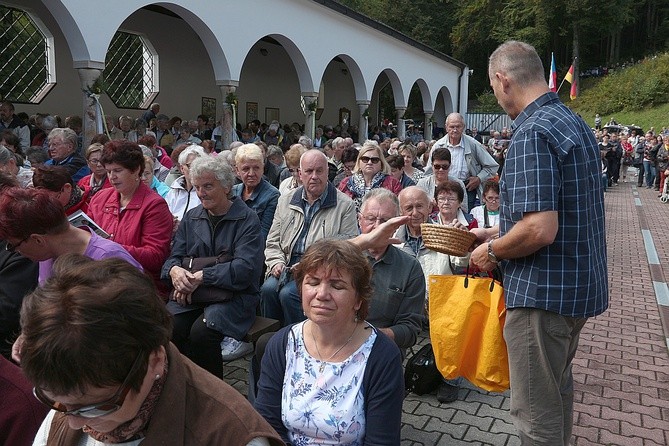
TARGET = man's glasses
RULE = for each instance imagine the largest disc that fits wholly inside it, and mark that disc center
(106, 407)
(441, 166)
(367, 159)
(11, 248)
(371, 219)
(492, 200)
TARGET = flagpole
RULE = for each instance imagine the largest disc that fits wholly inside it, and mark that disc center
(558, 90)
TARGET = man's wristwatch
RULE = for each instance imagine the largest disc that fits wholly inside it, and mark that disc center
(491, 255)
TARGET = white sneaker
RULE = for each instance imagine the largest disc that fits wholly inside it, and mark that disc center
(232, 349)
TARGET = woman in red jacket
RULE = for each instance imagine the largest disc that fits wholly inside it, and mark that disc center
(131, 213)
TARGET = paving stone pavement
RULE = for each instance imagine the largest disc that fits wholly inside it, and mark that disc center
(621, 370)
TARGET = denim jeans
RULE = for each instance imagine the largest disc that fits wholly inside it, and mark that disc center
(649, 170)
(541, 346)
(283, 304)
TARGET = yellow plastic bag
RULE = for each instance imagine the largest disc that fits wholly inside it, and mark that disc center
(466, 325)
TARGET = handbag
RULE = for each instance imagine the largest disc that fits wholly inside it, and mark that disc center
(421, 374)
(466, 329)
(207, 294)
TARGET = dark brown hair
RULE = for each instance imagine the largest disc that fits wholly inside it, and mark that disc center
(86, 325)
(124, 153)
(450, 186)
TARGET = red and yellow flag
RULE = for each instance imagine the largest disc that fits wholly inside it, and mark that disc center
(570, 74)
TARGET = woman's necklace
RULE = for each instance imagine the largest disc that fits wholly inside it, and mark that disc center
(320, 357)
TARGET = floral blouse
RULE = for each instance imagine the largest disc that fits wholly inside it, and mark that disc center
(322, 402)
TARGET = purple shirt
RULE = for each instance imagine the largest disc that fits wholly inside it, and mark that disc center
(98, 248)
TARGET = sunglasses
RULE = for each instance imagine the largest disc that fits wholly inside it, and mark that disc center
(441, 166)
(366, 159)
(106, 407)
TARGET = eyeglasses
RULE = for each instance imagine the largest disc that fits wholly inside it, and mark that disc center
(441, 166)
(442, 200)
(492, 200)
(367, 159)
(11, 248)
(98, 409)
(371, 219)
(95, 162)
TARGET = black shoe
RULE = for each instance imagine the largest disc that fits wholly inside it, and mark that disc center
(447, 393)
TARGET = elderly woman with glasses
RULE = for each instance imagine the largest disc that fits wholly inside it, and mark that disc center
(97, 179)
(487, 214)
(371, 171)
(96, 347)
(449, 197)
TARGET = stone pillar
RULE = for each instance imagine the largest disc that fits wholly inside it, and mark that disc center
(310, 103)
(427, 126)
(363, 122)
(401, 131)
(229, 112)
(88, 76)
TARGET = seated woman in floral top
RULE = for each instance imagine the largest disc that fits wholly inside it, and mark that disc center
(333, 378)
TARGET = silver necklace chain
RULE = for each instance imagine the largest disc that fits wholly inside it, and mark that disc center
(320, 357)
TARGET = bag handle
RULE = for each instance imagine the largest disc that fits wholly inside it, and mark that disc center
(491, 274)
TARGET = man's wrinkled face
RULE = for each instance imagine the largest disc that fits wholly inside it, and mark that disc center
(314, 174)
(416, 205)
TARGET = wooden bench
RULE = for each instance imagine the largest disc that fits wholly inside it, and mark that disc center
(261, 326)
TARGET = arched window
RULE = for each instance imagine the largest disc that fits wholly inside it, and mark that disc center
(26, 57)
(131, 71)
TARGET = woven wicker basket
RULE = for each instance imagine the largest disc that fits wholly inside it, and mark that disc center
(446, 239)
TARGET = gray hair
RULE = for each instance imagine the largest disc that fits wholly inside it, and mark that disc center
(381, 195)
(306, 142)
(249, 152)
(519, 61)
(49, 123)
(66, 134)
(338, 140)
(215, 165)
(6, 155)
(274, 151)
(191, 150)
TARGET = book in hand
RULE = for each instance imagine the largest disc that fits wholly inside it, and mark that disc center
(79, 219)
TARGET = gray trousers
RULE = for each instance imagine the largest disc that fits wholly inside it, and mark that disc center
(541, 346)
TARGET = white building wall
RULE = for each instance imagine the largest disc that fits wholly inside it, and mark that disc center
(312, 35)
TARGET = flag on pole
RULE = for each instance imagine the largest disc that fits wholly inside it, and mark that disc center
(573, 92)
(552, 80)
(570, 75)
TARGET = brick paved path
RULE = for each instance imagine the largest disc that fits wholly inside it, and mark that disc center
(621, 370)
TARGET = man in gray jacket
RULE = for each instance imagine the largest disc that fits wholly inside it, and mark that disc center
(311, 212)
(470, 161)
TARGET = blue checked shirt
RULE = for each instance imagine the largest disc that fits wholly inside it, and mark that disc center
(553, 164)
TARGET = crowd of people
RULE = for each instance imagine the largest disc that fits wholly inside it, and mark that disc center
(189, 241)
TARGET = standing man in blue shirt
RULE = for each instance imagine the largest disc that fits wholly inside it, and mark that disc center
(551, 245)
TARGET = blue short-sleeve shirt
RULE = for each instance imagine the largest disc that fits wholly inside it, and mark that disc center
(553, 164)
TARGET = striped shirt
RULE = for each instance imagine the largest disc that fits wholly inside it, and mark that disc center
(553, 164)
